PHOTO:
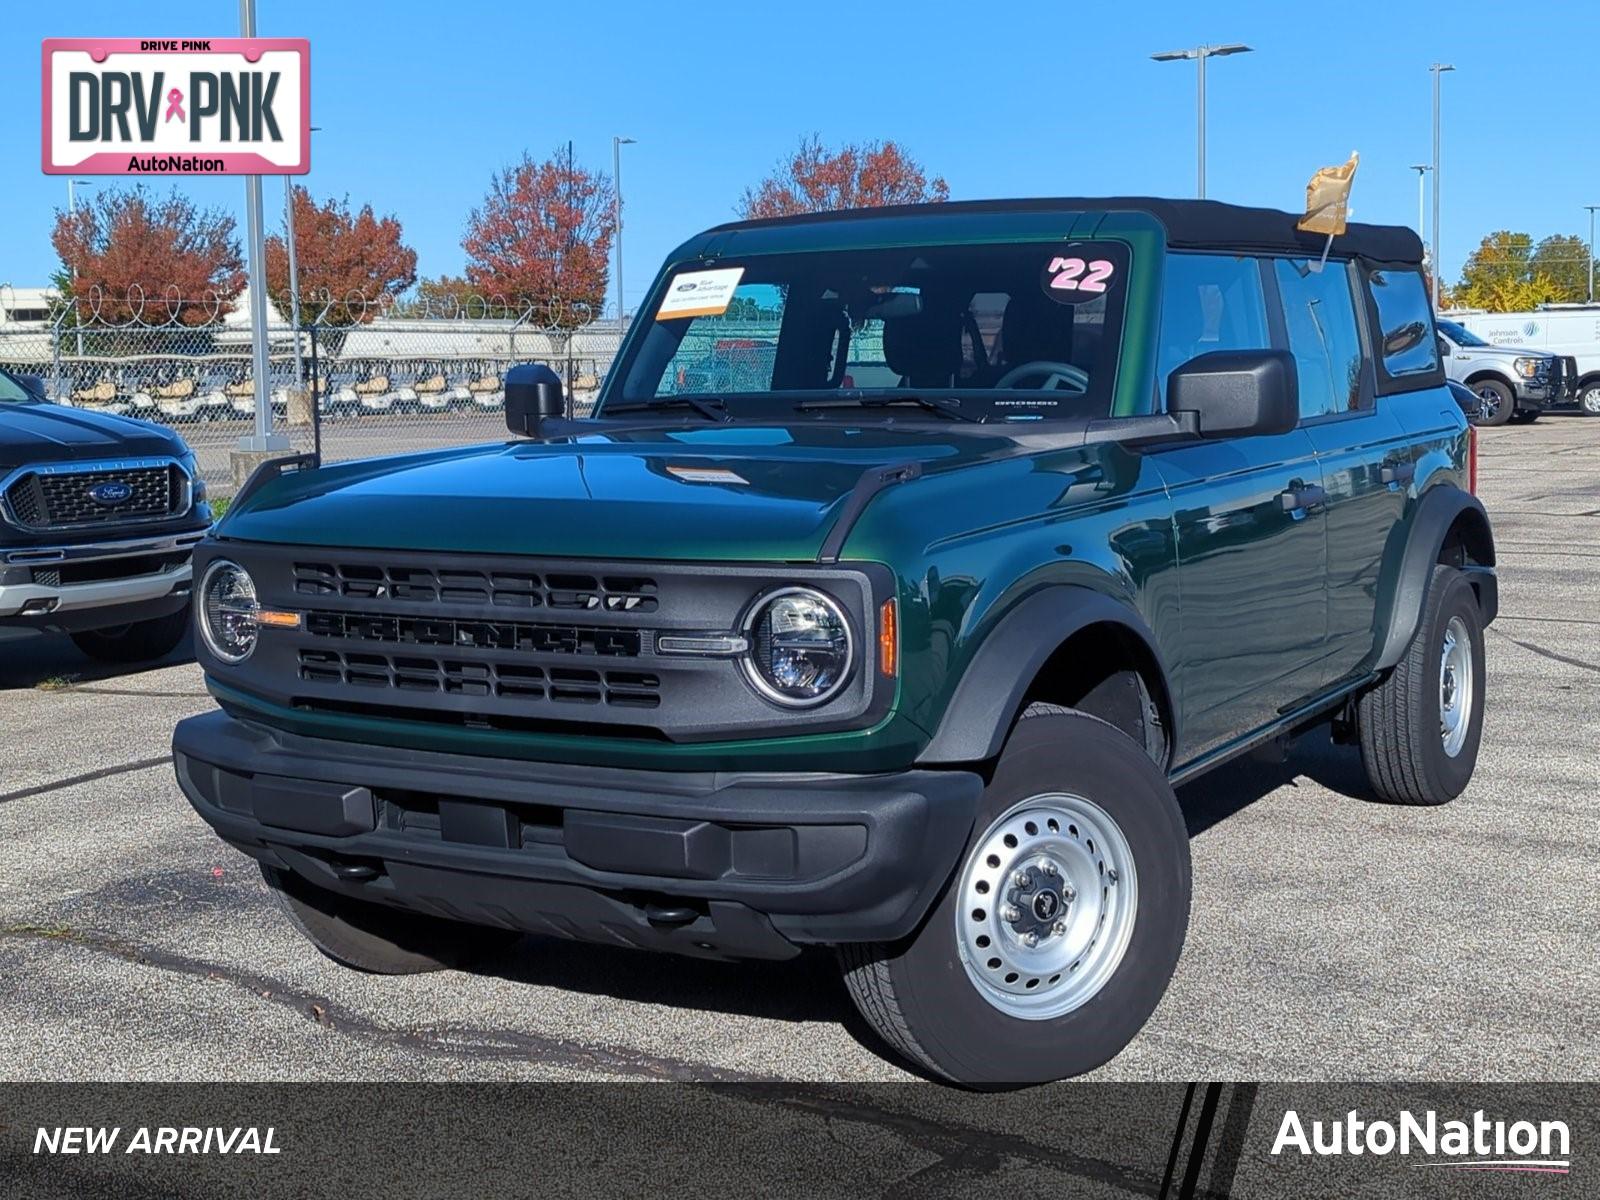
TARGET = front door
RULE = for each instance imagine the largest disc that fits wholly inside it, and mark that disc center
(1250, 525)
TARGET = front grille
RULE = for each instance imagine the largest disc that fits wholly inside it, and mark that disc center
(493, 678)
(509, 643)
(98, 570)
(1570, 366)
(494, 588)
(63, 500)
(477, 635)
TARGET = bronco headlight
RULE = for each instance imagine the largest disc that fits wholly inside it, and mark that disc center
(227, 610)
(801, 649)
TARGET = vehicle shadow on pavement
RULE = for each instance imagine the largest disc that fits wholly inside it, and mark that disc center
(1231, 788)
(51, 661)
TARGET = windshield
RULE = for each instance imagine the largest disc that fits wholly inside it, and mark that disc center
(11, 390)
(988, 332)
(1459, 334)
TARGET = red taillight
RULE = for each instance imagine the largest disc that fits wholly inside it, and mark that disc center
(1472, 459)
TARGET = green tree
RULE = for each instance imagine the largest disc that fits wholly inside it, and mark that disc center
(1564, 259)
(1501, 276)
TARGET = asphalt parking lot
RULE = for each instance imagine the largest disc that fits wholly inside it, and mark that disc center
(1333, 937)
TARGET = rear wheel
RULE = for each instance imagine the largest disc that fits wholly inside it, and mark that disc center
(375, 937)
(1589, 398)
(137, 642)
(1497, 401)
(1061, 929)
(1420, 728)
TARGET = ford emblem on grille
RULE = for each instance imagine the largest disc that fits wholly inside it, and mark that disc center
(110, 493)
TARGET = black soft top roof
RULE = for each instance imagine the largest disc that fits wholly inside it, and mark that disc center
(1190, 224)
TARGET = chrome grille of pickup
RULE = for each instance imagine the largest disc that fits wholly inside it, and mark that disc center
(61, 500)
(497, 679)
(494, 588)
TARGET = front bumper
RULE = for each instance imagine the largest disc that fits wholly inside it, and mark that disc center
(79, 585)
(718, 864)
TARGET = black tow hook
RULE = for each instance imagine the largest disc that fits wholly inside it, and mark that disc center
(355, 872)
(670, 914)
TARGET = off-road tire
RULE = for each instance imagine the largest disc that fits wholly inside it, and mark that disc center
(1401, 743)
(916, 994)
(375, 937)
(1505, 402)
(138, 642)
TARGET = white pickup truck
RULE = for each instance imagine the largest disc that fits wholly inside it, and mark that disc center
(1569, 332)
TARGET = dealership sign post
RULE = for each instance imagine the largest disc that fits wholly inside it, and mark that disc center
(187, 106)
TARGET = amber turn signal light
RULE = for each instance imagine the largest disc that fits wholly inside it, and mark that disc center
(276, 619)
(888, 639)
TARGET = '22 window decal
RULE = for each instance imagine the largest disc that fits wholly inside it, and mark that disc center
(1078, 275)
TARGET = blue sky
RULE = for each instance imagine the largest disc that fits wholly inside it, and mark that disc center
(420, 103)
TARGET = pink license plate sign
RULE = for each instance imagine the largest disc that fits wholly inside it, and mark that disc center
(179, 106)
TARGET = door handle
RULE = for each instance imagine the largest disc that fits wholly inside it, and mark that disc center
(1302, 498)
(1398, 472)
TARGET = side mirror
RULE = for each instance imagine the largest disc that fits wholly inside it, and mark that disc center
(533, 394)
(33, 385)
(1238, 393)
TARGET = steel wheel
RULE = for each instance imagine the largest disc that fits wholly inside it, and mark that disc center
(1457, 687)
(1048, 901)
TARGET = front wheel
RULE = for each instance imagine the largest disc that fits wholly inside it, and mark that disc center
(1497, 402)
(1059, 933)
(140, 641)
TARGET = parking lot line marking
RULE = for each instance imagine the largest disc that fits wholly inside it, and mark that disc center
(143, 764)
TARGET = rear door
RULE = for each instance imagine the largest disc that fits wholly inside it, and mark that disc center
(1364, 454)
(1250, 531)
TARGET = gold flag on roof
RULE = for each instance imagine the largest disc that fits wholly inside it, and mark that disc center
(1328, 198)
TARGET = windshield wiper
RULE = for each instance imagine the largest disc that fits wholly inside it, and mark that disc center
(945, 408)
(710, 408)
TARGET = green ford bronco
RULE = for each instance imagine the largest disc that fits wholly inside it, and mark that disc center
(909, 559)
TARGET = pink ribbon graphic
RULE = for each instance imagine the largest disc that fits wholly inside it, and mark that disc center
(175, 105)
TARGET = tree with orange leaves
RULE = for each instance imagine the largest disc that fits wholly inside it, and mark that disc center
(816, 179)
(340, 255)
(128, 256)
(543, 237)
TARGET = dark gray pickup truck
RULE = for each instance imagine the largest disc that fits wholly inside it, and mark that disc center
(98, 518)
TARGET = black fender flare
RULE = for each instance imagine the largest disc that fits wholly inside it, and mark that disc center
(1437, 511)
(988, 698)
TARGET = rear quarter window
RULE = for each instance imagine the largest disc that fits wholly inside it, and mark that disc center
(1406, 346)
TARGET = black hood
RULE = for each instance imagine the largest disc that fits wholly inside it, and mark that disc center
(50, 433)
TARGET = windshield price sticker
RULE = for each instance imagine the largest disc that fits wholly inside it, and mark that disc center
(1071, 279)
(699, 293)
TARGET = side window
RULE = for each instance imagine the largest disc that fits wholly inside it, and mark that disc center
(1209, 302)
(1321, 320)
(1405, 323)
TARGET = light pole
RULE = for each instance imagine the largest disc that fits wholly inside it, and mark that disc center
(1591, 208)
(1438, 69)
(72, 199)
(1200, 54)
(294, 276)
(617, 143)
(263, 438)
(1422, 170)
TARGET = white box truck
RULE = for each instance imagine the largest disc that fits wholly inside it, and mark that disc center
(1570, 331)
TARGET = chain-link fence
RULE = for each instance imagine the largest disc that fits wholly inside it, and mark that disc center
(357, 380)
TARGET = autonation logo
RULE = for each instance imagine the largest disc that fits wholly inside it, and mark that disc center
(1475, 1145)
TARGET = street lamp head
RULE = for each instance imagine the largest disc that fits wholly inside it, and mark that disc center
(1174, 55)
(624, 141)
(1422, 168)
(1229, 48)
(1441, 67)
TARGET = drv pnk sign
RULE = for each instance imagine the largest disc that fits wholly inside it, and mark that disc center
(170, 106)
